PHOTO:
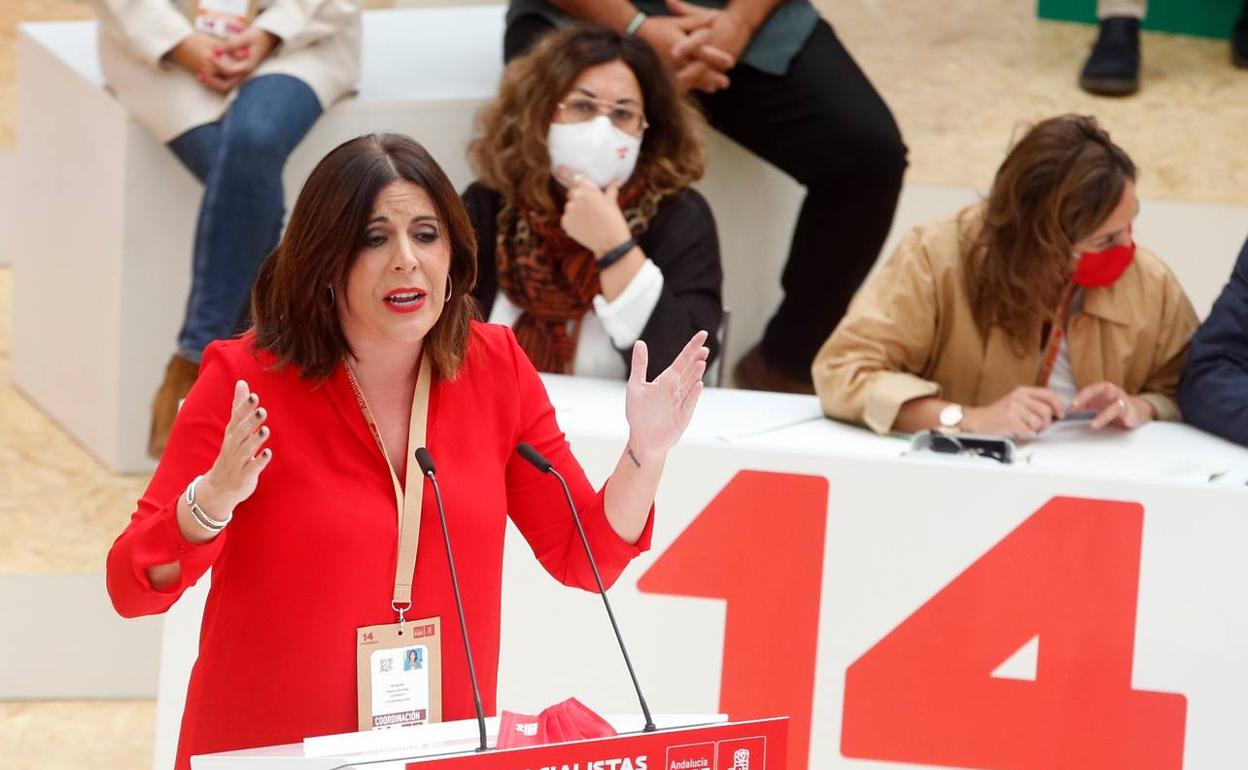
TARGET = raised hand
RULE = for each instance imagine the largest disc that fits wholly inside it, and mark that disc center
(658, 412)
(236, 471)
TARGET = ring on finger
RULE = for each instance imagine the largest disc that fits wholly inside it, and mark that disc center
(1122, 404)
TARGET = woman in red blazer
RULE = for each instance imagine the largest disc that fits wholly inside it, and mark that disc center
(297, 435)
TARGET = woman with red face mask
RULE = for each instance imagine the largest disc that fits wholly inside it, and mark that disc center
(1020, 310)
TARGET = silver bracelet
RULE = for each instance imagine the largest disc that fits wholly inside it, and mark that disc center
(631, 29)
(201, 518)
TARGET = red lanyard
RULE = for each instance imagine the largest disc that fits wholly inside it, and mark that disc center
(1057, 333)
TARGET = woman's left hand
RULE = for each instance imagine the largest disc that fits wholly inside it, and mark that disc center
(592, 217)
(1112, 406)
(658, 412)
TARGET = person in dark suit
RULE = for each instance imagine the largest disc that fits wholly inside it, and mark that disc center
(1213, 393)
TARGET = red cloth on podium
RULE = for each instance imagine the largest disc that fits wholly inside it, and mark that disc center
(310, 556)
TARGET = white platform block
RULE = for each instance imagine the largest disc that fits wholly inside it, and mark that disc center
(63, 640)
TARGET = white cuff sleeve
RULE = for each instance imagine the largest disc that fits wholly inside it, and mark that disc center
(625, 317)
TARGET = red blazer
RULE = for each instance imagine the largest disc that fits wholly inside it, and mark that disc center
(310, 556)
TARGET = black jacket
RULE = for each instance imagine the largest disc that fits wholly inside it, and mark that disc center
(1213, 394)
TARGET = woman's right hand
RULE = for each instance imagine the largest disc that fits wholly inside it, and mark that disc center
(203, 56)
(236, 471)
(1022, 413)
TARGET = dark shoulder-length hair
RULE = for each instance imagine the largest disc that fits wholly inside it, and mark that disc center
(509, 153)
(1056, 187)
(292, 303)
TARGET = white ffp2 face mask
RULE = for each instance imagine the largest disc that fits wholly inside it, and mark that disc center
(594, 148)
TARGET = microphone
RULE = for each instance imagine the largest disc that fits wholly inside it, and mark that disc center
(425, 461)
(537, 460)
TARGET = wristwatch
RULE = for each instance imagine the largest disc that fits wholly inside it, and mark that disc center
(950, 417)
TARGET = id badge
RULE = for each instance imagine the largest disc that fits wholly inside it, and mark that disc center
(399, 674)
(223, 18)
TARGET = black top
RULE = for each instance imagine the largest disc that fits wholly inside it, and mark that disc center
(681, 241)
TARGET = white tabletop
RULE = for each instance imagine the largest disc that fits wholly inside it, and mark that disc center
(1158, 451)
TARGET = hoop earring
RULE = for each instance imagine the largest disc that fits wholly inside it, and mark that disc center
(332, 299)
(448, 287)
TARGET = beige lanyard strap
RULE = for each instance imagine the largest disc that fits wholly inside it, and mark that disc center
(410, 497)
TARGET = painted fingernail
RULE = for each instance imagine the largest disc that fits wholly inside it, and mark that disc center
(267, 453)
(263, 431)
(260, 414)
(251, 399)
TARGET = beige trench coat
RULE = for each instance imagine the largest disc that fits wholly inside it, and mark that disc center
(909, 333)
(320, 46)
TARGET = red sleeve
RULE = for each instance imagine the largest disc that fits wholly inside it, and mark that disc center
(153, 537)
(537, 505)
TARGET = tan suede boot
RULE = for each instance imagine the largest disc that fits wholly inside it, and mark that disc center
(180, 375)
(754, 373)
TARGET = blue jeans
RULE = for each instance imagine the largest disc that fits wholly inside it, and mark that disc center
(239, 158)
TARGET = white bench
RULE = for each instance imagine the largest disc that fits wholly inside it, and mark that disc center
(106, 213)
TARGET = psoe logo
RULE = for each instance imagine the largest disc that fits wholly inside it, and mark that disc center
(528, 729)
(742, 754)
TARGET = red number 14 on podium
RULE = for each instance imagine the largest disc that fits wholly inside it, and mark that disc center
(1069, 577)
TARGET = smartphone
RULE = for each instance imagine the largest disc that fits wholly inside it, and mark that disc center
(1077, 417)
(997, 448)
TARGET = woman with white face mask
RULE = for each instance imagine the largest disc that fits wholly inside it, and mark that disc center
(589, 236)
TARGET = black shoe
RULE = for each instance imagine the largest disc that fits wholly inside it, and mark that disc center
(1113, 67)
(1239, 39)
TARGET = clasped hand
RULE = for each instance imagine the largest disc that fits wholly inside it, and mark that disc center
(222, 65)
(697, 45)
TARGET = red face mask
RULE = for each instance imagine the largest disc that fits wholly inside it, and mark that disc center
(1101, 268)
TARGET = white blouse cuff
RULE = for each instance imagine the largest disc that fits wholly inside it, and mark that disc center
(626, 316)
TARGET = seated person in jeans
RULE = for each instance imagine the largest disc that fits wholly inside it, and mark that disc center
(232, 110)
(1214, 388)
(588, 234)
(1017, 311)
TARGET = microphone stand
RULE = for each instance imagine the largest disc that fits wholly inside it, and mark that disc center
(426, 467)
(537, 460)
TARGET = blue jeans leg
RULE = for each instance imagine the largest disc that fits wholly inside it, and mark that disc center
(240, 218)
(197, 148)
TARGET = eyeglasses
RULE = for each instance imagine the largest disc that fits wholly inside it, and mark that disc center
(579, 109)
